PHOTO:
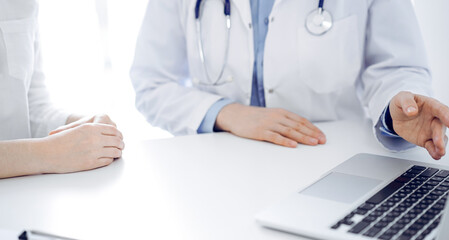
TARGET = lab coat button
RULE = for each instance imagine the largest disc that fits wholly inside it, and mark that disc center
(266, 21)
(230, 79)
(270, 91)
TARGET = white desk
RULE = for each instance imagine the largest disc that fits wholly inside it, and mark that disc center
(194, 187)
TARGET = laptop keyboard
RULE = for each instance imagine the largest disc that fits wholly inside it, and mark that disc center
(410, 207)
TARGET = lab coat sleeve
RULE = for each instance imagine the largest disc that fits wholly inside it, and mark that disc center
(44, 117)
(160, 68)
(395, 60)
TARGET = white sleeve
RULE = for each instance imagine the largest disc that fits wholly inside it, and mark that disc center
(44, 117)
(160, 68)
(395, 60)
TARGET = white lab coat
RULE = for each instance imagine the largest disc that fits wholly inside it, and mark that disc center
(25, 107)
(373, 51)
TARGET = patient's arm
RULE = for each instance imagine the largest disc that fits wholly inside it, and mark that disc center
(79, 148)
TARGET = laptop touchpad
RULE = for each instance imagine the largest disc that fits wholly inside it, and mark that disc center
(341, 187)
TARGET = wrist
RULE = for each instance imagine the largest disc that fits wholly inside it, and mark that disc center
(225, 117)
(41, 150)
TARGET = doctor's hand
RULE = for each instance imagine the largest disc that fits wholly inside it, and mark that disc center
(80, 148)
(75, 121)
(272, 125)
(422, 121)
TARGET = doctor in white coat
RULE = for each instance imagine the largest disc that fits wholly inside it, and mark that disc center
(271, 77)
(27, 116)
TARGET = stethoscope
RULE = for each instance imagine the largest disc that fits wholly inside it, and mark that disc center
(318, 22)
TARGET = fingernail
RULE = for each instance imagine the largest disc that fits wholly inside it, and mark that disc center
(313, 141)
(293, 144)
(322, 138)
(411, 109)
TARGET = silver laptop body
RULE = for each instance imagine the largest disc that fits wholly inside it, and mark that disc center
(334, 206)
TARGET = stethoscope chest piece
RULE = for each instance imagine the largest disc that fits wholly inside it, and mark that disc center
(319, 22)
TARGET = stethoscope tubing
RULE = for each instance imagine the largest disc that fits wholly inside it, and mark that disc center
(227, 12)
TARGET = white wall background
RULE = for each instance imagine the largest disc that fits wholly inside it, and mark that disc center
(434, 20)
(89, 46)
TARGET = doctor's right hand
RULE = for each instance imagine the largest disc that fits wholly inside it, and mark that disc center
(80, 148)
(273, 125)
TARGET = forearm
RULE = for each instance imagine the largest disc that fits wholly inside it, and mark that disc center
(20, 157)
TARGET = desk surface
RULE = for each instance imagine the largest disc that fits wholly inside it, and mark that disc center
(195, 187)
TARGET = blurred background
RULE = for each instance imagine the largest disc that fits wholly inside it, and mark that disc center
(89, 46)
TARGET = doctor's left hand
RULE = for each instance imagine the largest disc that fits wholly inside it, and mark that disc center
(75, 121)
(422, 121)
(273, 125)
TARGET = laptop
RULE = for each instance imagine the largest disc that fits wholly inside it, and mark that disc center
(368, 197)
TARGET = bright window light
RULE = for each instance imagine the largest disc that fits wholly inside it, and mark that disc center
(88, 48)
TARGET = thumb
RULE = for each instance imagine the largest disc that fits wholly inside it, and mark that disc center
(408, 104)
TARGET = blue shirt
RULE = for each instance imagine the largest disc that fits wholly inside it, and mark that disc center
(260, 12)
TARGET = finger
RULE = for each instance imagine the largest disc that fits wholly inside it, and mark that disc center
(109, 130)
(278, 139)
(104, 162)
(430, 147)
(113, 141)
(105, 119)
(308, 124)
(71, 125)
(408, 104)
(304, 129)
(295, 135)
(110, 152)
(65, 127)
(438, 134)
(441, 111)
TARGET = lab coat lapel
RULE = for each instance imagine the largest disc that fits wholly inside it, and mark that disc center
(276, 2)
(244, 10)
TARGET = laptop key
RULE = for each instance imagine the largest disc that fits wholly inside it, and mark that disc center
(385, 236)
(443, 174)
(369, 219)
(346, 221)
(429, 172)
(408, 175)
(419, 168)
(385, 192)
(403, 179)
(359, 227)
(336, 226)
(437, 179)
(367, 206)
(372, 232)
(414, 171)
(360, 212)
